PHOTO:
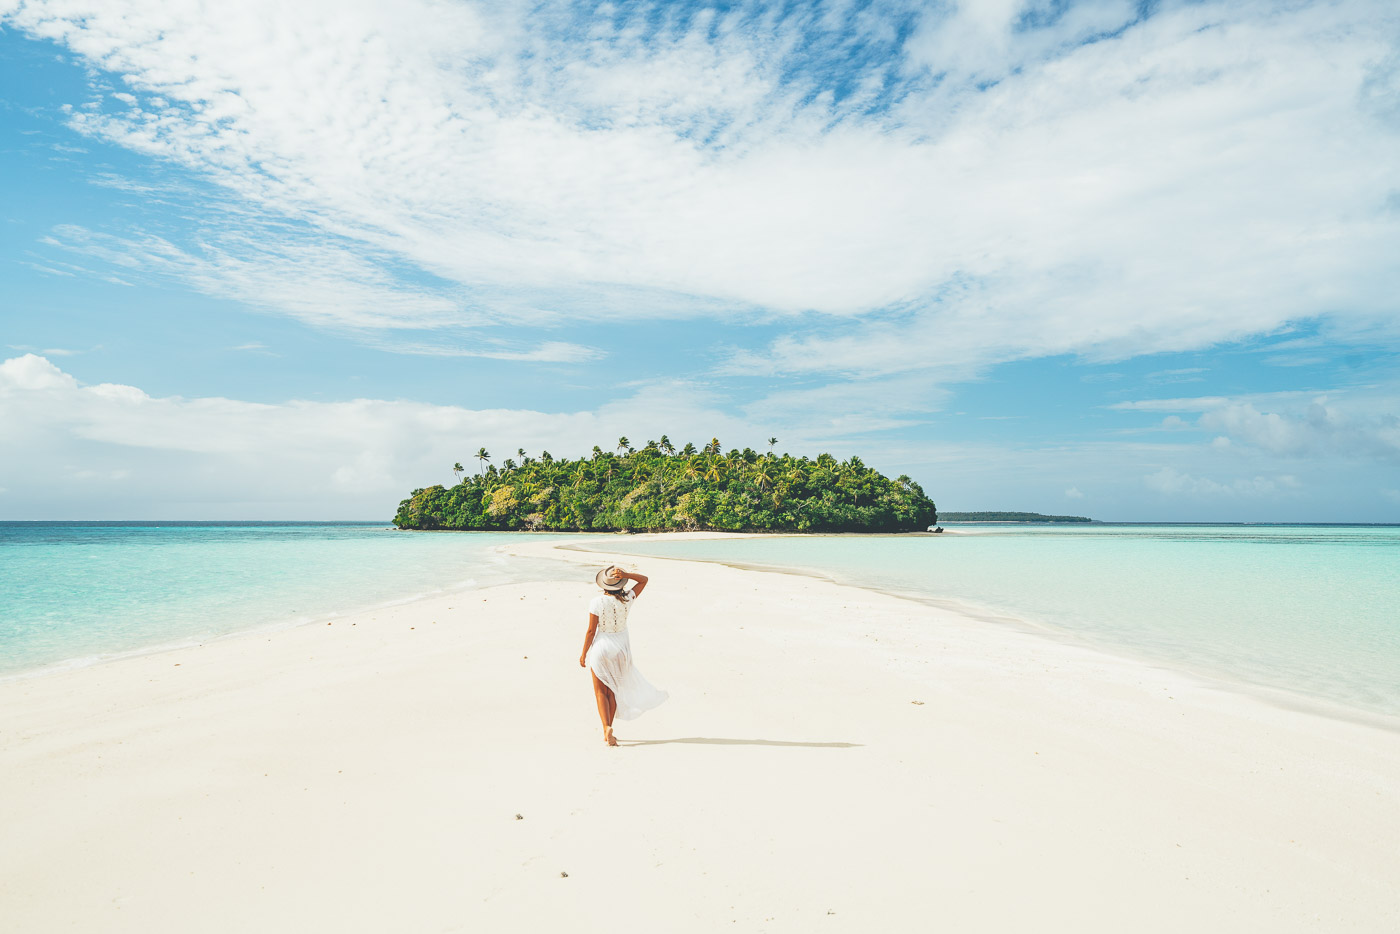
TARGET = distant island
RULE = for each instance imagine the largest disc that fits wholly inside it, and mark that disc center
(1008, 517)
(661, 488)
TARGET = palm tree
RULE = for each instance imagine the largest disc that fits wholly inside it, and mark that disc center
(691, 471)
(623, 444)
(457, 469)
(666, 446)
(771, 442)
(763, 477)
(520, 452)
(688, 450)
(547, 457)
(597, 452)
(482, 458)
(712, 447)
(580, 475)
(508, 465)
(716, 471)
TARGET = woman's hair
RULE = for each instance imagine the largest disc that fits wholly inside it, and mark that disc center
(624, 595)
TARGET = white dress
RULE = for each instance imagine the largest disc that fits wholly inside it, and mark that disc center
(610, 659)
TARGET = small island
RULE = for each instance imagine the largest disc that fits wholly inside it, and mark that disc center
(1009, 517)
(660, 488)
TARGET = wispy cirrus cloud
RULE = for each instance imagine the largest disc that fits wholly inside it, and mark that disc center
(974, 182)
(544, 352)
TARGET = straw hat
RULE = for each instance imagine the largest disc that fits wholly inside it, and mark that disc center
(610, 580)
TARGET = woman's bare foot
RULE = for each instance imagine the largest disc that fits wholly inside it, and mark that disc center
(608, 736)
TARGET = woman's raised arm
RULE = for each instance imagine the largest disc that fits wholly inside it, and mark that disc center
(641, 580)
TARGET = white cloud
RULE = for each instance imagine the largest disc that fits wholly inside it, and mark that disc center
(320, 281)
(1318, 427)
(1213, 171)
(1173, 482)
(1361, 422)
(545, 352)
(70, 449)
(1073, 493)
(1196, 404)
(49, 352)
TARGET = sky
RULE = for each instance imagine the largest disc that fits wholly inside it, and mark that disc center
(1138, 261)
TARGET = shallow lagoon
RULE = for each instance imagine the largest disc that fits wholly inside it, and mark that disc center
(77, 592)
(1311, 610)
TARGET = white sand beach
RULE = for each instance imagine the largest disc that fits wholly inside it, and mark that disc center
(831, 759)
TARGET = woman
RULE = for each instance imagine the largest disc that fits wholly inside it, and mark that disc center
(618, 686)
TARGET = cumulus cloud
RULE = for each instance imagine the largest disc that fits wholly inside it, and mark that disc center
(1358, 423)
(979, 181)
(1317, 428)
(114, 451)
(106, 450)
(1172, 482)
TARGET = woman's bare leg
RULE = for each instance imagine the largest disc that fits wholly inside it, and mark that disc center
(600, 694)
(607, 708)
(612, 712)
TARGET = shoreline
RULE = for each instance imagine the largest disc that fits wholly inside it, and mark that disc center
(79, 662)
(1204, 675)
(228, 626)
(830, 756)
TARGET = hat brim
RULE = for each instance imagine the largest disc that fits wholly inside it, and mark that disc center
(602, 578)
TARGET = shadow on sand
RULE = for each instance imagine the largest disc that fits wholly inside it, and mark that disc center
(710, 741)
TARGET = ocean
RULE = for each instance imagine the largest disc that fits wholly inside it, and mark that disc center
(1312, 611)
(72, 593)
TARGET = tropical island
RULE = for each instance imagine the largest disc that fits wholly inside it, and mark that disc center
(1009, 517)
(660, 488)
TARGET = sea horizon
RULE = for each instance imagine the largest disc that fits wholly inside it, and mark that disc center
(389, 522)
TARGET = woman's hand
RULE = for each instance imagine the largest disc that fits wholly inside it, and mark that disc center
(581, 662)
(639, 579)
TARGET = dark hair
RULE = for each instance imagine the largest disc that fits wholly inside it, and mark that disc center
(624, 595)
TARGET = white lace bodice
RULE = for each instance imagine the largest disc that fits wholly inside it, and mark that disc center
(611, 612)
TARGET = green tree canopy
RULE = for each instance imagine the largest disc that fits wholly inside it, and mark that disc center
(656, 490)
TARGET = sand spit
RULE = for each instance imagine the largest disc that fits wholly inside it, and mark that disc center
(831, 759)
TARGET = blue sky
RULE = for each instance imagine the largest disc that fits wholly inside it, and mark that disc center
(1138, 261)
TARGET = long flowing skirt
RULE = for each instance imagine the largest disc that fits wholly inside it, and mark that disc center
(610, 659)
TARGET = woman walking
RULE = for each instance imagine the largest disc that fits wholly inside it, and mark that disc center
(618, 686)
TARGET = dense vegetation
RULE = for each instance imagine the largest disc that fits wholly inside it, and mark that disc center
(660, 488)
(1008, 517)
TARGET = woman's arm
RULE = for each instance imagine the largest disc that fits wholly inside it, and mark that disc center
(588, 639)
(641, 580)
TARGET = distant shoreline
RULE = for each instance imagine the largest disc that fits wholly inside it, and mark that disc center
(991, 515)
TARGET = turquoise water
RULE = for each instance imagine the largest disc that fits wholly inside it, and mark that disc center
(1310, 610)
(73, 593)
